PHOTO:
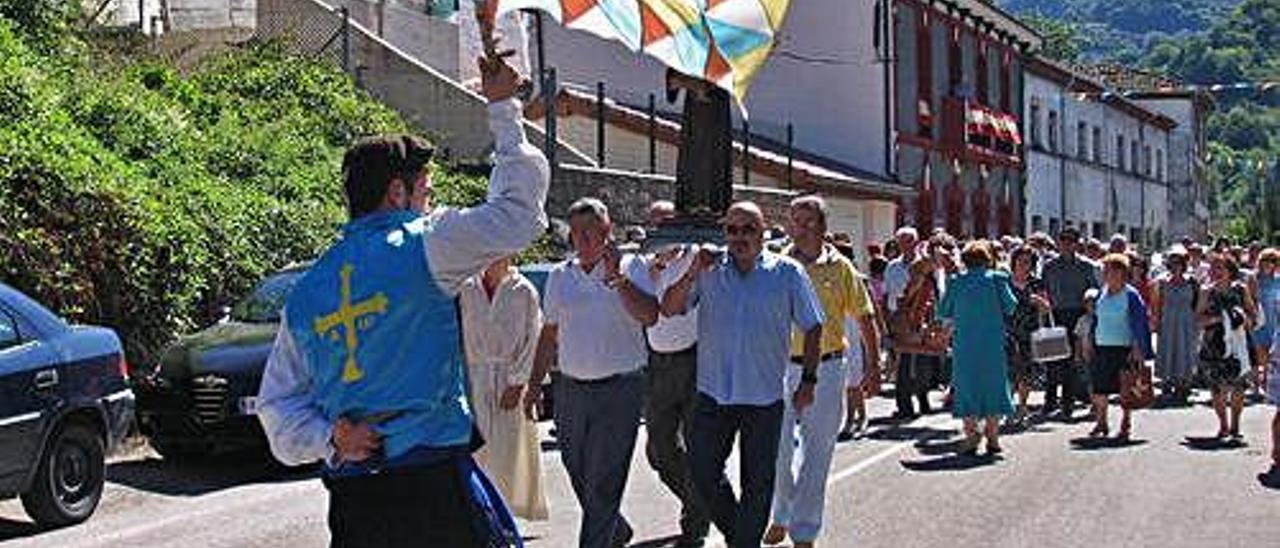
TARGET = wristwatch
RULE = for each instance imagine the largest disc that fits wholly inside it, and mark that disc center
(616, 282)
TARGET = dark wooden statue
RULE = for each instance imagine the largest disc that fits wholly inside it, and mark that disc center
(704, 187)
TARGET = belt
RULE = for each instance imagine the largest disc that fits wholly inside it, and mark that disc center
(691, 350)
(601, 380)
(799, 360)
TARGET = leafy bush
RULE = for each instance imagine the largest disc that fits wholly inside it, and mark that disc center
(140, 198)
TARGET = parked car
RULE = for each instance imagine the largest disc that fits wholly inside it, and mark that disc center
(65, 404)
(201, 398)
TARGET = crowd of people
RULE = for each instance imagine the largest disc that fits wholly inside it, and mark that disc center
(779, 341)
(419, 392)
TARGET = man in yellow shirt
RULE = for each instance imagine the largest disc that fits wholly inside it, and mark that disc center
(799, 497)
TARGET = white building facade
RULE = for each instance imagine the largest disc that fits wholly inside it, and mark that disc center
(1186, 157)
(826, 80)
(1097, 162)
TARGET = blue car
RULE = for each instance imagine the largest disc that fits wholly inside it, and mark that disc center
(65, 404)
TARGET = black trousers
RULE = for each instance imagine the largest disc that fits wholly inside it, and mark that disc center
(1065, 374)
(741, 518)
(916, 373)
(670, 394)
(417, 506)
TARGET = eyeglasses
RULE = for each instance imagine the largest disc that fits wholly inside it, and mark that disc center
(741, 230)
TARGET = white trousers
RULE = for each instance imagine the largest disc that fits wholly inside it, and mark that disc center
(804, 451)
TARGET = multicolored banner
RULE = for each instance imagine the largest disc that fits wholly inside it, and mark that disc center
(980, 120)
(724, 42)
(1260, 87)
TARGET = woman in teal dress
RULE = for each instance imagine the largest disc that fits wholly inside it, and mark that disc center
(977, 302)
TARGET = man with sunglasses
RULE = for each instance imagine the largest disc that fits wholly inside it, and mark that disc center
(747, 301)
(367, 372)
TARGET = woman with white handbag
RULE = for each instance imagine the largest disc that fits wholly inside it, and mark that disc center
(1226, 312)
(1033, 304)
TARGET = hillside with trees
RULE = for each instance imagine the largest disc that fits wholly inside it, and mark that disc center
(139, 197)
(1199, 42)
(1124, 29)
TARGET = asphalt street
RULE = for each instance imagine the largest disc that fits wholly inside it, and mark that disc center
(900, 486)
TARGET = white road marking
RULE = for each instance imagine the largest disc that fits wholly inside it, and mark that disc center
(716, 539)
(123, 394)
(864, 464)
(17, 419)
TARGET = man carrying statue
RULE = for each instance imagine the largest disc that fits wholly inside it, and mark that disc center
(367, 372)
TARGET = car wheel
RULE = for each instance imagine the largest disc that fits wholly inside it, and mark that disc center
(69, 479)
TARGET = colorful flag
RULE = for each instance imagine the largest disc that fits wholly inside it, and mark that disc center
(724, 42)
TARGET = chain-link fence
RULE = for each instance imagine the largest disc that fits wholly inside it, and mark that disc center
(433, 100)
(309, 29)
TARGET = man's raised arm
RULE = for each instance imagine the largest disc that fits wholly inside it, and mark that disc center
(464, 241)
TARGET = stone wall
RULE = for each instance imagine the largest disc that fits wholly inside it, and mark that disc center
(629, 194)
(455, 117)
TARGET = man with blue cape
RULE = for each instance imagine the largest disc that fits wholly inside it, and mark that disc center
(367, 373)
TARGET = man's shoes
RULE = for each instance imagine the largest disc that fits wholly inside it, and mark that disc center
(803, 544)
(844, 435)
(693, 533)
(904, 416)
(689, 540)
(622, 534)
(776, 534)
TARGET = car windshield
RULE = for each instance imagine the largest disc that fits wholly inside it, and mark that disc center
(267, 300)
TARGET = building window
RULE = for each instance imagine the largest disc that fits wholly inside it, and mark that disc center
(1053, 131)
(1119, 152)
(1134, 158)
(1146, 160)
(1160, 165)
(1099, 230)
(955, 68)
(1135, 236)
(980, 66)
(1097, 144)
(1035, 123)
(1037, 223)
(924, 75)
(1082, 140)
(1006, 101)
(1054, 227)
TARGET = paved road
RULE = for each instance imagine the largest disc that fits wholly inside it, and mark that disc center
(899, 487)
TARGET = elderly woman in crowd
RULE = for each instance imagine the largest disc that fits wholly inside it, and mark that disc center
(1226, 314)
(1121, 340)
(1268, 296)
(1033, 304)
(1173, 310)
(977, 301)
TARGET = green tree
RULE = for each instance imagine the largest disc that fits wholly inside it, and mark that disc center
(1063, 40)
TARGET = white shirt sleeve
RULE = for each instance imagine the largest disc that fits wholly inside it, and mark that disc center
(297, 431)
(463, 241)
(552, 305)
(636, 269)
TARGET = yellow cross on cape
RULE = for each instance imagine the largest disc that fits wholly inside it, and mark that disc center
(346, 317)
